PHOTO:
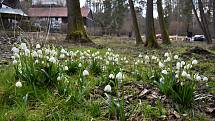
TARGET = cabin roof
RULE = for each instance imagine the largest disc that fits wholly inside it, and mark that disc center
(54, 12)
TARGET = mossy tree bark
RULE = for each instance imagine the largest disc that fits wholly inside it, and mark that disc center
(135, 23)
(164, 32)
(150, 29)
(76, 31)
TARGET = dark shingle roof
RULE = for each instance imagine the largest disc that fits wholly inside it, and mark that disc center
(12, 3)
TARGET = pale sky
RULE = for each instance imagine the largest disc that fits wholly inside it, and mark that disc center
(82, 2)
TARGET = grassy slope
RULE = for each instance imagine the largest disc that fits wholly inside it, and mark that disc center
(53, 107)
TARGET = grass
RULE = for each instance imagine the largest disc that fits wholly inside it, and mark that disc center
(23, 105)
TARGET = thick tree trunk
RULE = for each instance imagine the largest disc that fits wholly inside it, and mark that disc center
(165, 34)
(204, 22)
(76, 31)
(135, 23)
(214, 18)
(150, 30)
(197, 17)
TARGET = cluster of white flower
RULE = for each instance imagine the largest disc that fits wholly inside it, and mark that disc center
(60, 57)
(180, 68)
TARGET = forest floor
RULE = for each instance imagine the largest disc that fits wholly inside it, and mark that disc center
(143, 98)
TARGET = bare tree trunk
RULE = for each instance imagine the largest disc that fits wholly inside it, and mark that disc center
(204, 22)
(76, 31)
(214, 17)
(196, 15)
(135, 23)
(165, 34)
(150, 30)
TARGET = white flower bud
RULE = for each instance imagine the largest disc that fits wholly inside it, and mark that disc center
(198, 78)
(205, 79)
(166, 54)
(66, 68)
(119, 76)
(14, 62)
(85, 73)
(111, 76)
(107, 88)
(194, 62)
(79, 65)
(38, 46)
(164, 72)
(52, 59)
(176, 57)
(18, 84)
(161, 65)
(15, 50)
(58, 78)
(184, 74)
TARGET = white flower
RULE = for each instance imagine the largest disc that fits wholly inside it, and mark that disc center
(184, 74)
(13, 57)
(36, 61)
(38, 46)
(176, 76)
(136, 63)
(52, 59)
(164, 72)
(18, 84)
(23, 46)
(109, 49)
(161, 80)
(176, 57)
(53, 52)
(63, 51)
(85, 73)
(140, 56)
(35, 54)
(66, 68)
(188, 66)
(107, 62)
(205, 79)
(107, 88)
(58, 78)
(62, 56)
(111, 76)
(88, 51)
(147, 57)
(14, 62)
(166, 54)
(47, 51)
(194, 62)
(27, 52)
(178, 65)
(16, 55)
(15, 50)
(198, 78)
(168, 59)
(154, 57)
(79, 65)
(119, 76)
(182, 63)
(161, 65)
(39, 52)
(188, 76)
